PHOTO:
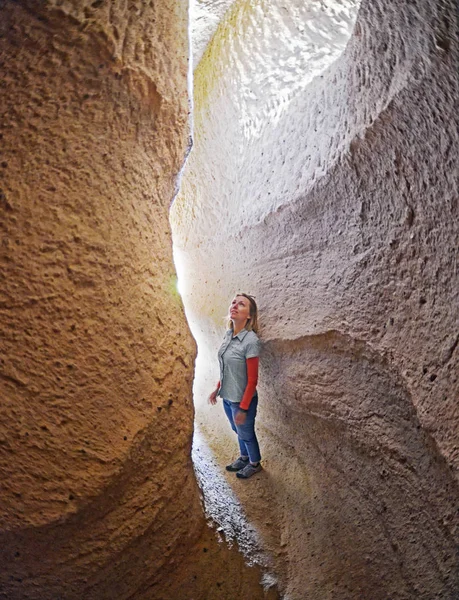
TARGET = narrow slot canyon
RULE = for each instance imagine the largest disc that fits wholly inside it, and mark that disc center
(304, 152)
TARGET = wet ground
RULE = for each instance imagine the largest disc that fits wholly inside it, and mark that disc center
(238, 509)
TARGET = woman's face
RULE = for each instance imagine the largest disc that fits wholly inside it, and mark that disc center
(239, 309)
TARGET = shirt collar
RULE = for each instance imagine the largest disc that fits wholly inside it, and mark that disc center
(241, 335)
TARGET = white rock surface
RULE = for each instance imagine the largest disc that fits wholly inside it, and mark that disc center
(334, 199)
(205, 17)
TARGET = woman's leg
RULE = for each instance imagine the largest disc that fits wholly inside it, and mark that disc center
(246, 432)
(230, 411)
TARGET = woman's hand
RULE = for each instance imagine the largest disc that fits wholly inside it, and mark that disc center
(240, 417)
(213, 397)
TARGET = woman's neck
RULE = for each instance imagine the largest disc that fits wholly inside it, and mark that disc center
(237, 327)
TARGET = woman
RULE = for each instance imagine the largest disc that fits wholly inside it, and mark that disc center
(238, 358)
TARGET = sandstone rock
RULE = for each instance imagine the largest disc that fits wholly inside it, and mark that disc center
(94, 129)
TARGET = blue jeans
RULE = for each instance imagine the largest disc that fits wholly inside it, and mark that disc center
(248, 443)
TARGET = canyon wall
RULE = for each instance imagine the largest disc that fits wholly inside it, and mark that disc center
(332, 195)
(96, 357)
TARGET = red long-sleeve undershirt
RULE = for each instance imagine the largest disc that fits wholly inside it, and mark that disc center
(252, 380)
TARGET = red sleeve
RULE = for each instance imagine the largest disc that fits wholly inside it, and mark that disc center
(218, 385)
(252, 379)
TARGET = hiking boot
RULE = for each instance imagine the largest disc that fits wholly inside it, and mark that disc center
(248, 471)
(238, 464)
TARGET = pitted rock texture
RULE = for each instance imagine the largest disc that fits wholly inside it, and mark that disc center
(96, 357)
(341, 215)
(99, 498)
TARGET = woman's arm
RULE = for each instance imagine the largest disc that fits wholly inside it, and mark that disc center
(252, 380)
(213, 396)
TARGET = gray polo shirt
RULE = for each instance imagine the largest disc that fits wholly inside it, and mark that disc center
(233, 369)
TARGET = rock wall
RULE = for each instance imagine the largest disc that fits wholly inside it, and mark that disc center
(96, 357)
(338, 209)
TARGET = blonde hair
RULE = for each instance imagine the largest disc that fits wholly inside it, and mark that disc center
(252, 323)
